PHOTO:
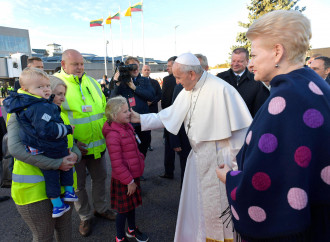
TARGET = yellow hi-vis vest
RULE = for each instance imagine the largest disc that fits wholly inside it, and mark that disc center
(85, 107)
(28, 183)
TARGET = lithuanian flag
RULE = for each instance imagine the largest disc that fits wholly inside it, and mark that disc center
(116, 16)
(136, 7)
(128, 12)
(108, 20)
(97, 22)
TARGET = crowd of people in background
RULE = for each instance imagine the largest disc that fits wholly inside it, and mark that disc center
(261, 127)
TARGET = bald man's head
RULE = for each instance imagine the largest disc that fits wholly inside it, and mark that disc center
(73, 62)
(146, 71)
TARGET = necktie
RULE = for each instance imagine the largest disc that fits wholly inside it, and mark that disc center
(238, 77)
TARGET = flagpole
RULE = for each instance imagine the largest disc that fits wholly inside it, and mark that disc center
(144, 60)
(105, 56)
(113, 60)
(131, 27)
(121, 38)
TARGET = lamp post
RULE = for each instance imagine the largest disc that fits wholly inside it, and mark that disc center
(175, 38)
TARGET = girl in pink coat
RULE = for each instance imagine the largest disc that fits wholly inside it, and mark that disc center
(127, 165)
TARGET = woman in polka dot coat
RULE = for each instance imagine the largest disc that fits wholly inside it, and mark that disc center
(281, 190)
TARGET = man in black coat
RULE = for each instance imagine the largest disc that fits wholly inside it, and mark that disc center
(321, 65)
(253, 93)
(169, 83)
(153, 104)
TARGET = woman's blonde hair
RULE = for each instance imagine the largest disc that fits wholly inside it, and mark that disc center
(289, 28)
(113, 107)
(55, 81)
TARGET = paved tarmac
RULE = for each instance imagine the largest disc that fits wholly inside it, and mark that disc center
(156, 217)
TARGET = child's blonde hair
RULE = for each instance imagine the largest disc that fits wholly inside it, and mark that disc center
(113, 107)
(31, 73)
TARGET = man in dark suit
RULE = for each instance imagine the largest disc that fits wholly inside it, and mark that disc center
(153, 104)
(321, 65)
(253, 93)
(169, 83)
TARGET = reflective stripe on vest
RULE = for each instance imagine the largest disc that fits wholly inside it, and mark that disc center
(31, 178)
(96, 143)
(96, 87)
(27, 178)
(85, 120)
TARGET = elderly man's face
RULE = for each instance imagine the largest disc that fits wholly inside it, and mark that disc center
(186, 79)
(238, 62)
(318, 66)
(36, 64)
(73, 64)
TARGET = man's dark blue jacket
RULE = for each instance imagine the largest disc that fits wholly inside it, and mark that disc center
(143, 93)
(41, 125)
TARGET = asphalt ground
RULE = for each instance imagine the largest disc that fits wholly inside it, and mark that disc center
(156, 217)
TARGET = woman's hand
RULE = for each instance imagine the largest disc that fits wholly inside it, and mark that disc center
(67, 163)
(222, 171)
(131, 189)
(135, 117)
(73, 157)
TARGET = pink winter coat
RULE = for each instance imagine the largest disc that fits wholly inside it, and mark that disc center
(126, 160)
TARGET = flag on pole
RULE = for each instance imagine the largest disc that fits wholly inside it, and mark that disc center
(95, 23)
(116, 16)
(137, 7)
(128, 12)
(108, 20)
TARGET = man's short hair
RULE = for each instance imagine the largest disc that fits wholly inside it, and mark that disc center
(241, 50)
(203, 60)
(326, 61)
(131, 58)
(173, 58)
(31, 73)
(33, 58)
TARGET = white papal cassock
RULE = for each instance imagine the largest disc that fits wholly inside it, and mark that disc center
(218, 119)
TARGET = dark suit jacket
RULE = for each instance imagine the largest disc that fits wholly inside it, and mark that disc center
(328, 79)
(169, 83)
(153, 108)
(254, 93)
(181, 139)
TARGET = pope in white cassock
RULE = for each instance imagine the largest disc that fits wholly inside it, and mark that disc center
(216, 120)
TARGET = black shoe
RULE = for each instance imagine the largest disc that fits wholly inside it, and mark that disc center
(150, 148)
(167, 176)
(138, 235)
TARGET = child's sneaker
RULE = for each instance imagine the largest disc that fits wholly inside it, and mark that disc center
(70, 197)
(137, 234)
(59, 211)
(121, 240)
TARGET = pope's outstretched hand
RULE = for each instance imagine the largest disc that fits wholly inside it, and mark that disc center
(135, 117)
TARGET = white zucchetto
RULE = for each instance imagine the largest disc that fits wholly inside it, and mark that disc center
(188, 59)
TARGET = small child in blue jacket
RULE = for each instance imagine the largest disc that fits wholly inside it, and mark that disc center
(42, 131)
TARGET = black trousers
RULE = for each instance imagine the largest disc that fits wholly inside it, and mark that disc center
(169, 155)
(54, 179)
(145, 138)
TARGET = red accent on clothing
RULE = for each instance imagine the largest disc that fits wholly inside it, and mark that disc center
(127, 162)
